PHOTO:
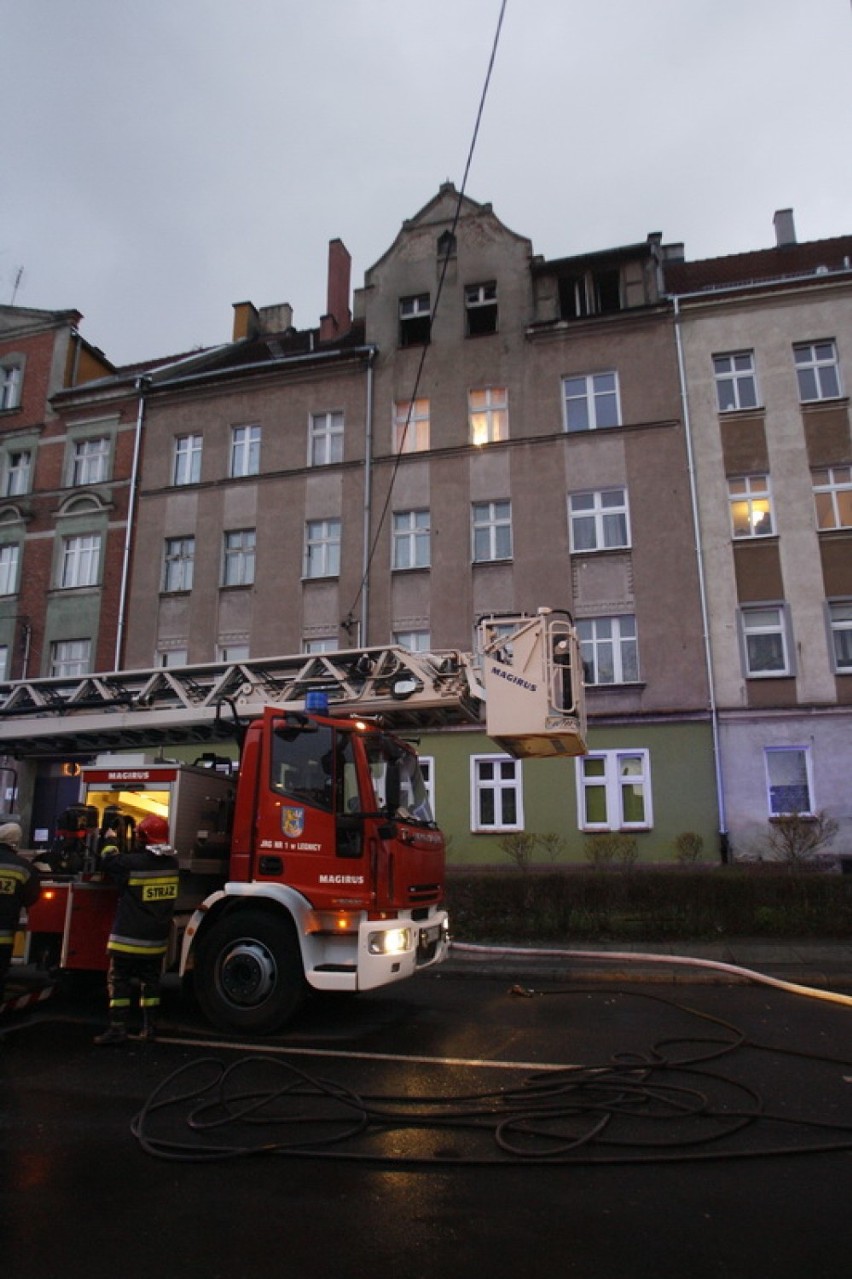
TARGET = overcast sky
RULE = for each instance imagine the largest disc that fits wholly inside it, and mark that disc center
(163, 159)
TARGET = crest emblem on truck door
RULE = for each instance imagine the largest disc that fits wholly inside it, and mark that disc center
(293, 822)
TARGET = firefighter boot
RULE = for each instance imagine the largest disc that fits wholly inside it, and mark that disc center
(148, 1030)
(115, 1033)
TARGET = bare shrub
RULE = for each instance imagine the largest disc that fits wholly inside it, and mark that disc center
(794, 839)
(688, 847)
(519, 848)
(611, 847)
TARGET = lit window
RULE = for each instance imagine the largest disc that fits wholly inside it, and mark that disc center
(480, 304)
(70, 658)
(751, 506)
(238, 566)
(840, 622)
(492, 531)
(187, 459)
(322, 548)
(245, 451)
(411, 539)
(833, 496)
(614, 790)
(591, 401)
(415, 320)
(91, 461)
(411, 426)
(788, 780)
(608, 649)
(179, 563)
(488, 415)
(80, 560)
(496, 793)
(10, 386)
(598, 521)
(765, 640)
(9, 568)
(326, 439)
(736, 382)
(817, 371)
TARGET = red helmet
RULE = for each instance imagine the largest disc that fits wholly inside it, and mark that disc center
(153, 829)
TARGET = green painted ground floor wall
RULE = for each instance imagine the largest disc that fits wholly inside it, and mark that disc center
(681, 783)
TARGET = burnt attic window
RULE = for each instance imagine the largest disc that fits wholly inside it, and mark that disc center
(480, 304)
(415, 320)
(595, 292)
(446, 245)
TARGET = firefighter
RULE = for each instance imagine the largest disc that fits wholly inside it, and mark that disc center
(147, 880)
(19, 886)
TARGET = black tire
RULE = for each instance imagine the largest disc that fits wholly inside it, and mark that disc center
(248, 972)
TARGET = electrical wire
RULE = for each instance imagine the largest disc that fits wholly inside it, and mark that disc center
(669, 1104)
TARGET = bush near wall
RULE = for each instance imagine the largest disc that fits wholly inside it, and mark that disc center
(647, 904)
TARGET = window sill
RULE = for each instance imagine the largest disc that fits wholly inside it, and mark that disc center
(485, 563)
(412, 568)
(617, 688)
(603, 550)
(758, 410)
(235, 586)
(761, 675)
(322, 577)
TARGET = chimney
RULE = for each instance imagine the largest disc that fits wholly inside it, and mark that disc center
(337, 321)
(785, 229)
(246, 321)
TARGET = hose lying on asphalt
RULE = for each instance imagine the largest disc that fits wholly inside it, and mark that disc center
(640, 957)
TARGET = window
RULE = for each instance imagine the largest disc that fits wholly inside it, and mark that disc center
(70, 657)
(833, 496)
(4, 661)
(9, 568)
(614, 790)
(178, 564)
(446, 245)
(598, 521)
(80, 560)
(492, 531)
(415, 320)
(488, 415)
(233, 652)
(187, 460)
(320, 644)
(608, 649)
(415, 641)
(90, 463)
(10, 386)
(238, 565)
(765, 640)
(591, 402)
(172, 657)
(817, 371)
(411, 426)
(322, 548)
(411, 539)
(840, 622)
(589, 293)
(325, 444)
(736, 381)
(480, 305)
(16, 472)
(496, 795)
(245, 451)
(751, 506)
(788, 780)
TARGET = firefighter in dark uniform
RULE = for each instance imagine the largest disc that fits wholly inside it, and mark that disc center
(19, 886)
(147, 880)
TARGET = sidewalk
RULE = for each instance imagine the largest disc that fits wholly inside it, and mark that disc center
(822, 963)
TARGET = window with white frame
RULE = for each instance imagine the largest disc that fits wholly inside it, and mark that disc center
(186, 468)
(81, 556)
(751, 506)
(480, 305)
(245, 451)
(414, 641)
(736, 381)
(591, 401)
(415, 320)
(833, 496)
(233, 652)
(170, 657)
(178, 564)
(765, 640)
(9, 553)
(496, 793)
(598, 521)
(90, 462)
(488, 415)
(322, 548)
(788, 780)
(411, 426)
(411, 533)
(4, 661)
(325, 444)
(614, 790)
(609, 649)
(840, 625)
(320, 644)
(238, 558)
(70, 658)
(10, 386)
(817, 371)
(16, 472)
(492, 531)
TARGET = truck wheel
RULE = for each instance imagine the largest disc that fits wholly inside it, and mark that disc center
(248, 972)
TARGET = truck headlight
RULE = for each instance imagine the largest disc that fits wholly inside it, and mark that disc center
(391, 941)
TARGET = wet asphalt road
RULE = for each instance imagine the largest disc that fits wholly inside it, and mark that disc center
(432, 1129)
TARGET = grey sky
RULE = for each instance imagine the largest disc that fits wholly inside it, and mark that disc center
(163, 159)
